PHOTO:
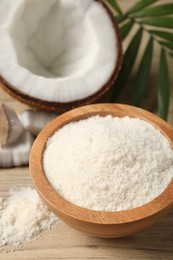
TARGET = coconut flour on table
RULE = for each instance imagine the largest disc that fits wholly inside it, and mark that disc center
(23, 216)
(108, 163)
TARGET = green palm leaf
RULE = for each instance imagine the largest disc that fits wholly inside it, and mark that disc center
(145, 16)
(116, 7)
(163, 86)
(141, 5)
(162, 34)
(125, 29)
(168, 45)
(160, 22)
(121, 18)
(143, 73)
(156, 11)
(137, 7)
(129, 59)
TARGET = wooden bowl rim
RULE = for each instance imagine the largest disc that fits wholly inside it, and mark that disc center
(61, 205)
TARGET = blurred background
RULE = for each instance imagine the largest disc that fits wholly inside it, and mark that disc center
(149, 99)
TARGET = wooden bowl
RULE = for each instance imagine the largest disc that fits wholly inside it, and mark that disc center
(99, 223)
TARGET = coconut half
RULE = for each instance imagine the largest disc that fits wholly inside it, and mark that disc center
(58, 54)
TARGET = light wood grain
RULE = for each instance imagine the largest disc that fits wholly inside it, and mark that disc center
(68, 244)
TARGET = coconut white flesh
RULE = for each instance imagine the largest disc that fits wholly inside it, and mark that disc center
(34, 121)
(17, 154)
(56, 50)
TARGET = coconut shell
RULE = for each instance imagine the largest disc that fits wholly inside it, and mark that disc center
(62, 107)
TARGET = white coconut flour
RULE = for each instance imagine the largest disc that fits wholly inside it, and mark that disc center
(22, 216)
(108, 163)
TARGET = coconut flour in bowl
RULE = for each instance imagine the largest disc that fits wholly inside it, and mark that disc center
(108, 163)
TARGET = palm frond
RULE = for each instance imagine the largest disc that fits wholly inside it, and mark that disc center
(142, 76)
(146, 16)
(163, 86)
(129, 60)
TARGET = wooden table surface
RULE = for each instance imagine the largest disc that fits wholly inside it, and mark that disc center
(66, 243)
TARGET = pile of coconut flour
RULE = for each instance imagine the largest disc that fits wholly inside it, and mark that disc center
(22, 216)
(107, 163)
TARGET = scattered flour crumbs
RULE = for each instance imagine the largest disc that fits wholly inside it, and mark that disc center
(109, 163)
(23, 216)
